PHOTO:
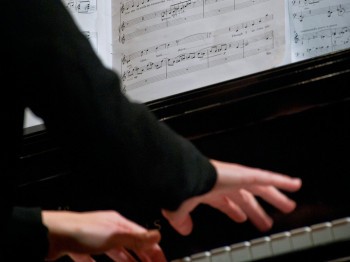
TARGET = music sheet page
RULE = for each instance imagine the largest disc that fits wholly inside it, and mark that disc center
(165, 47)
(318, 27)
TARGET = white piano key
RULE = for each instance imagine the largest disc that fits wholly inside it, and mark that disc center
(240, 252)
(185, 259)
(221, 254)
(261, 248)
(341, 228)
(322, 233)
(281, 243)
(301, 238)
(201, 257)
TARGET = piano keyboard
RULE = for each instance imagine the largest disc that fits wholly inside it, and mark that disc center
(318, 235)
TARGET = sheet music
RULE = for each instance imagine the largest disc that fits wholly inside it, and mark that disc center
(318, 27)
(165, 47)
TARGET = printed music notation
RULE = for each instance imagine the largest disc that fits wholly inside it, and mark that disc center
(304, 2)
(329, 11)
(163, 47)
(236, 29)
(318, 27)
(175, 14)
(81, 6)
(205, 58)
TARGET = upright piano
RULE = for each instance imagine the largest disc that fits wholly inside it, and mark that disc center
(293, 119)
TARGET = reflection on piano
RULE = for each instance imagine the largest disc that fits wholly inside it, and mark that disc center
(293, 119)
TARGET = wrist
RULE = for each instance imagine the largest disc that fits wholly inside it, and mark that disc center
(60, 229)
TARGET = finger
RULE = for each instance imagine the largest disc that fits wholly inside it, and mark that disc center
(81, 257)
(150, 251)
(179, 220)
(144, 257)
(138, 241)
(157, 255)
(144, 245)
(239, 175)
(120, 255)
(254, 211)
(154, 255)
(274, 197)
(232, 210)
(263, 177)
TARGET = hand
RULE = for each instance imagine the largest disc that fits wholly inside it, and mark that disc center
(80, 235)
(234, 194)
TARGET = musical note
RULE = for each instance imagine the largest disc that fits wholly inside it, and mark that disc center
(329, 12)
(122, 27)
(127, 6)
(122, 39)
(341, 10)
(70, 3)
(296, 37)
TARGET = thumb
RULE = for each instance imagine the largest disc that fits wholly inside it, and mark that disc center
(180, 221)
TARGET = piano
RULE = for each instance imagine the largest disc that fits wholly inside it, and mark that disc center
(294, 119)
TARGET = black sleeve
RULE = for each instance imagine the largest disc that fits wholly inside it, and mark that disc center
(112, 142)
(26, 237)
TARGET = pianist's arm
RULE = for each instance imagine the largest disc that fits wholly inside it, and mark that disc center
(113, 144)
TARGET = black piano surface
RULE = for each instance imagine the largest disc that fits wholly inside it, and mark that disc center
(293, 119)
